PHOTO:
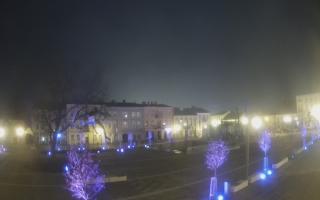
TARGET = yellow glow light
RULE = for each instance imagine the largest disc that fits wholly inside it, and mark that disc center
(256, 122)
(20, 131)
(215, 123)
(244, 120)
(287, 119)
(2, 132)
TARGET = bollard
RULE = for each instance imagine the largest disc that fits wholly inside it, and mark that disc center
(213, 187)
(226, 188)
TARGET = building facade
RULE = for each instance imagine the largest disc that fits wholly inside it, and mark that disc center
(121, 123)
(191, 123)
(304, 105)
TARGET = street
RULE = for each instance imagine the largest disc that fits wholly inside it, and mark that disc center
(152, 174)
(299, 179)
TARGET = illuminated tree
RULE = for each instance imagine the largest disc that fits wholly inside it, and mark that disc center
(217, 154)
(265, 145)
(83, 176)
(265, 142)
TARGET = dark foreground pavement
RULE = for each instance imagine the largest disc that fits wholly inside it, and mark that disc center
(152, 175)
(299, 179)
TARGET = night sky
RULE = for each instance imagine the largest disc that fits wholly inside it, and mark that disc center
(216, 54)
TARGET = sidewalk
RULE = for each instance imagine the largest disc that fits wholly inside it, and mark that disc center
(300, 179)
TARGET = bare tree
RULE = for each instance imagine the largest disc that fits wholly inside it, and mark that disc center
(66, 89)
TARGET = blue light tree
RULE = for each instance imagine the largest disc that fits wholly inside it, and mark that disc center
(216, 155)
(83, 176)
(265, 145)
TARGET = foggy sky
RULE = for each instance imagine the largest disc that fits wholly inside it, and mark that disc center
(216, 54)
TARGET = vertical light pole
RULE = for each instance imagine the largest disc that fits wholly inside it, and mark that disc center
(245, 121)
(256, 123)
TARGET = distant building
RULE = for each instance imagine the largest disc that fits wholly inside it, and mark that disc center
(191, 122)
(304, 106)
(125, 121)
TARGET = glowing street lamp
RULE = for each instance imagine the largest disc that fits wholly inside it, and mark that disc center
(19, 131)
(244, 120)
(215, 123)
(2, 132)
(287, 119)
(256, 122)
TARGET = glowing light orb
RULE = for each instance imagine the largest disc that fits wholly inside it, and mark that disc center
(244, 120)
(20, 131)
(2, 132)
(287, 119)
(220, 197)
(256, 122)
(215, 123)
(269, 172)
(263, 176)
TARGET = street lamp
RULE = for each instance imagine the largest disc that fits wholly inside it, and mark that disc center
(19, 131)
(245, 121)
(2, 132)
(287, 119)
(215, 123)
(256, 122)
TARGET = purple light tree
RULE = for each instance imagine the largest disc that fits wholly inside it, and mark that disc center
(83, 177)
(217, 154)
(265, 145)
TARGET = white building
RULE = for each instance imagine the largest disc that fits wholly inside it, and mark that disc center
(191, 122)
(121, 122)
(304, 105)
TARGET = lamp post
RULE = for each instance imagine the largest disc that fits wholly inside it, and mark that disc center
(256, 123)
(245, 121)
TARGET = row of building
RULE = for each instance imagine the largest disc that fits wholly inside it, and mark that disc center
(123, 122)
